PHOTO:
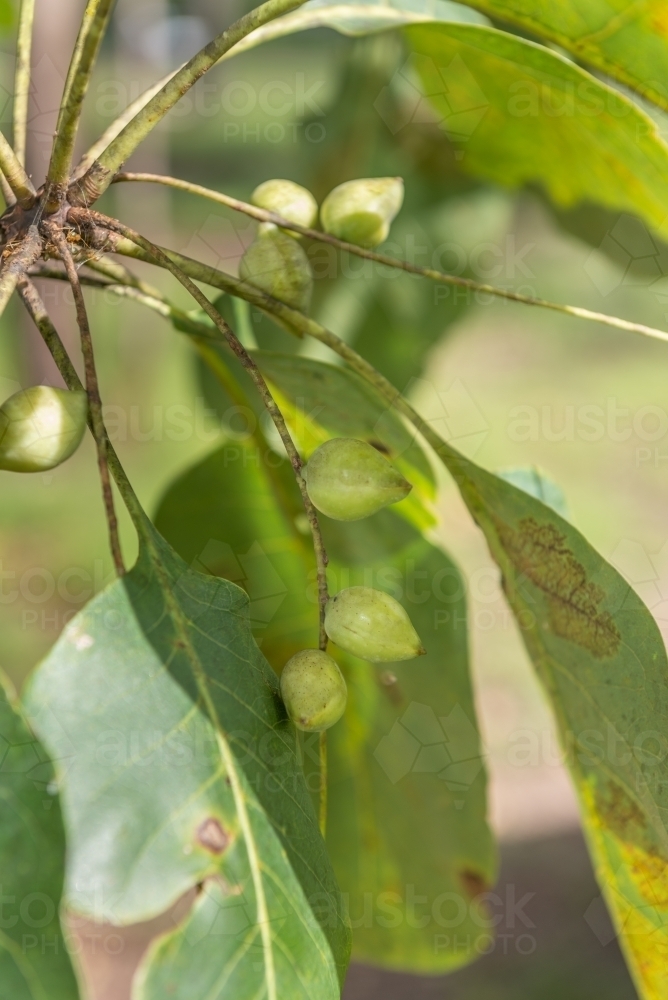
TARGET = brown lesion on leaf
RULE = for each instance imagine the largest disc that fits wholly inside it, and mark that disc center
(212, 836)
(472, 882)
(541, 553)
(642, 857)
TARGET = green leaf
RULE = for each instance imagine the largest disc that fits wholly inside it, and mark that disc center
(406, 818)
(7, 15)
(321, 401)
(407, 777)
(521, 113)
(627, 41)
(237, 515)
(183, 770)
(34, 964)
(358, 18)
(603, 663)
(601, 658)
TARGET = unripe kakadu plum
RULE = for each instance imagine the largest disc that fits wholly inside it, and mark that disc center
(361, 211)
(40, 427)
(276, 264)
(349, 479)
(370, 624)
(314, 691)
(288, 199)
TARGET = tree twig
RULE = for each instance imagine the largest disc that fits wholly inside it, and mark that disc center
(22, 78)
(100, 174)
(18, 259)
(93, 391)
(117, 126)
(80, 216)
(15, 175)
(93, 26)
(37, 310)
(261, 215)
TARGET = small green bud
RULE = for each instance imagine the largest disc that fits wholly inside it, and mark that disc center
(40, 427)
(276, 264)
(361, 211)
(288, 199)
(313, 689)
(372, 625)
(349, 479)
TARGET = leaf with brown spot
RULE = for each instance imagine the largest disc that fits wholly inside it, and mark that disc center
(541, 553)
(602, 660)
(178, 766)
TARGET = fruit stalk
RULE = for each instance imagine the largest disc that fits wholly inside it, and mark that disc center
(262, 215)
(158, 256)
(93, 391)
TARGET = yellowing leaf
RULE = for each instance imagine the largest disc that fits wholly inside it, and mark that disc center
(520, 113)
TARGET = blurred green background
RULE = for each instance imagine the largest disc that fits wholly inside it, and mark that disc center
(509, 385)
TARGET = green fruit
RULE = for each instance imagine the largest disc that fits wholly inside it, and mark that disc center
(276, 264)
(314, 691)
(372, 625)
(288, 199)
(361, 211)
(40, 427)
(349, 479)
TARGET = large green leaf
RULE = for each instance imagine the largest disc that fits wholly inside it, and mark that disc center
(406, 826)
(34, 964)
(521, 113)
(183, 770)
(407, 777)
(626, 40)
(602, 660)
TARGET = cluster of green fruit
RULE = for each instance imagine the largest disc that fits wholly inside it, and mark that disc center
(40, 428)
(358, 212)
(348, 480)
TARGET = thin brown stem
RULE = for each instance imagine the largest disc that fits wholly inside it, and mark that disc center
(120, 281)
(79, 216)
(480, 288)
(93, 391)
(37, 310)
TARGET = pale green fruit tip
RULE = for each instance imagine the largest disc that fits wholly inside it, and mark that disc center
(276, 264)
(370, 624)
(288, 199)
(40, 428)
(349, 479)
(313, 690)
(362, 211)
